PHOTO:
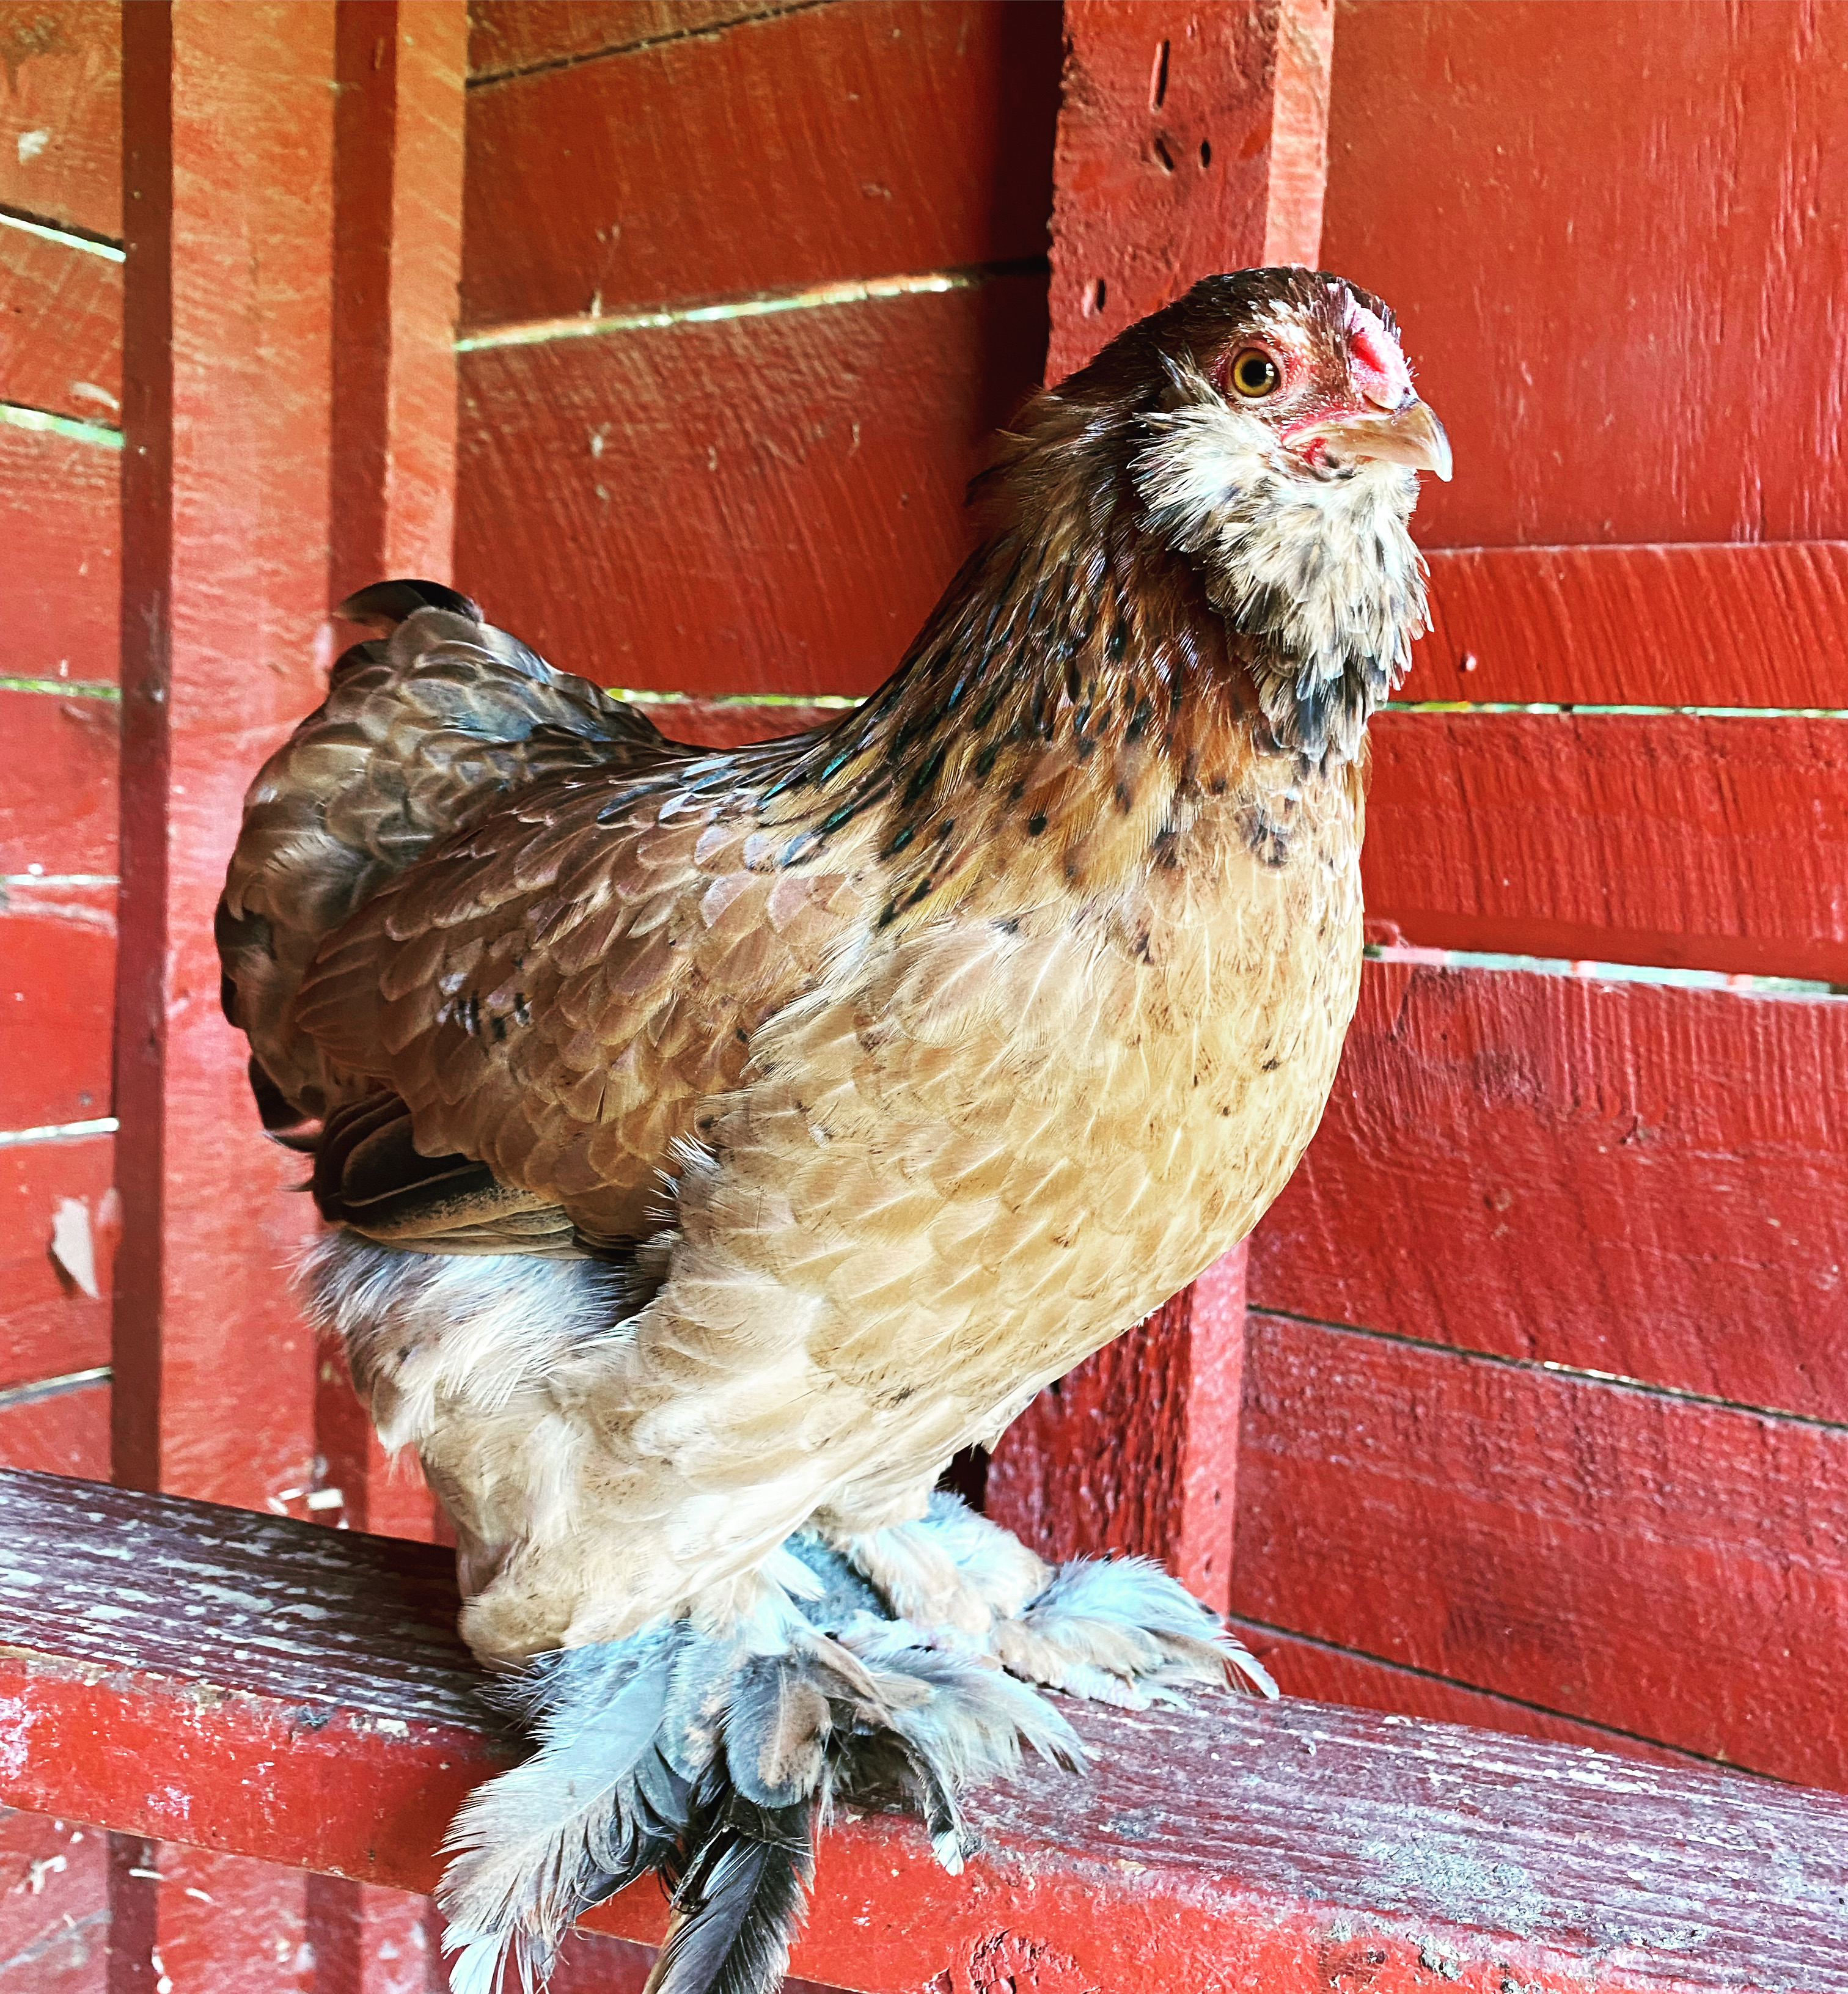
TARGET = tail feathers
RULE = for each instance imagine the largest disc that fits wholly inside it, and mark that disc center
(739, 1903)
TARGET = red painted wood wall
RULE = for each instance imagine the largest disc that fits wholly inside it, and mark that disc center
(1545, 1387)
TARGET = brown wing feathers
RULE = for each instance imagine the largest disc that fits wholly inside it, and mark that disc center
(422, 731)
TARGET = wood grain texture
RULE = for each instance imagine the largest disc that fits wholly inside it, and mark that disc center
(1179, 154)
(60, 586)
(60, 328)
(1675, 1569)
(397, 255)
(1137, 1449)
(49, 1327)
(1233, 1847)
(1683, 842)
(505, 35)
(61, 114)
(885, 137)
(66, 1433)
(54, 1907)
(737, 507)
(1763, 626)
(1323, 1674)
(1614, 232)
(227, 361)
(1160, 173)
(58, 805)
(58, 988)
(1648, 1181)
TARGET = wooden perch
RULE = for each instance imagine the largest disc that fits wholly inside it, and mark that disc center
(273, 1689)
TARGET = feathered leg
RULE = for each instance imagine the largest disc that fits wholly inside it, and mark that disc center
(709, 1755)
(1113, 1630)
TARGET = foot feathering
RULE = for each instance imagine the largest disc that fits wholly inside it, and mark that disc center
(711, 1145)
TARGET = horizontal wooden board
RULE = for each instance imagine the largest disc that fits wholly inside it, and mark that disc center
(1227, 1847)
(59, 802)
(709, 723)
(60, 329)
(60, 584)
(745, 506)
(1761, 626)
(800, 147)
(60, 113)
(65, 1434)
(1324, 1673)
(1683, 842)
(1624, 1177)
(1675, 1569)
(1616, 234)
(506, 35)
(49, 1327)
(57, 1000)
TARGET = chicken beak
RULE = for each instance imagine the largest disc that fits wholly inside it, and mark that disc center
(1411, 435)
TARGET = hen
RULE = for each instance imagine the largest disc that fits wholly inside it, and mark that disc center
(715, 1143)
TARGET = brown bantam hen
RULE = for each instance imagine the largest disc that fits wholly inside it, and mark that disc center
(715, 1143)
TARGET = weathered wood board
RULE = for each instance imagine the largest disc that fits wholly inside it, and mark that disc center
(785, 149)
(1290, 1847)
(1644, 1181)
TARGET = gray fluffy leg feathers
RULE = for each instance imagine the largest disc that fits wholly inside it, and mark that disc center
(710, 1760)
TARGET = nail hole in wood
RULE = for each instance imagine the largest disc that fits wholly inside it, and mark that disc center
(1094, 302)
(1165, 156)
(1205, 154)
(1158, 77)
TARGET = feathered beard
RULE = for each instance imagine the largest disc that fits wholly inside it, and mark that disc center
(1314, 566)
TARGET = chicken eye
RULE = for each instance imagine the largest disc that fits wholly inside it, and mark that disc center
(1254, 373)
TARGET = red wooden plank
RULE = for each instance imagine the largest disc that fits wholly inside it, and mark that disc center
(57, 992)
(63, 1432)
(54, 1906)
(60, 116)
(1671, 1568)
(830, 142)
(60, 586)
(1326, 1674)
(719, 723)
(398, 239)
(1137, 1449)
(506, 35)
(1638, 626)
(1289, 1847)
(1648, 1181)
(49, 1327)
(1684, 842)
(743, 506)
(1183, 148)
(398, 152)
(60, 328)
(230, 115)
(1588, 217)
(58, 805)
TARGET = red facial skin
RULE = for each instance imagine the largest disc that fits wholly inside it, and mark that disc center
(1378, 382)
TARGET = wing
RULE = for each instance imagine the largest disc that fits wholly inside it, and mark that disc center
(419, 735)
(555, 992)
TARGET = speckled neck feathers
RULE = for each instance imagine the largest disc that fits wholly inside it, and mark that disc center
(1157, 601)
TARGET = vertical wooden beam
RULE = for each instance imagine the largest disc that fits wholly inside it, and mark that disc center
(290, 420)
(1191, 138)
(401, 74)
(228, 157)
(402, 70)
